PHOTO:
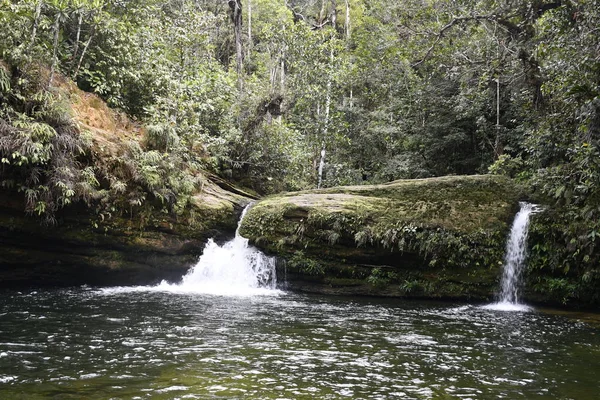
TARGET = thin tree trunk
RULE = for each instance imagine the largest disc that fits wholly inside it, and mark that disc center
(85, 48)
(347, 22)
(55, 28)
(326, 123)
(282, 76)
(328, 96)
(239, 49)
(347, 35)
(77, 37)
(498, 103)
(498, 142)
(321, 165)
(249, 29)
(323, 12)
(333, 13)
(36, 21)
(273, 74)
(327, 108)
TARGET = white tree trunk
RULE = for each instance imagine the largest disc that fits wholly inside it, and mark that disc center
(85, 48)
(321, 165)
(347, 22)
(237, 29)
(326, 122)
(333, 13)
(249, 29)
(77, 37)
(497, 144)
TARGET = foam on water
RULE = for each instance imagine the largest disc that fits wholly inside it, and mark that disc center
(232, 269)
(507, 306)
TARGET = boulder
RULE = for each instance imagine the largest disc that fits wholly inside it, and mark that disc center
(435, 238)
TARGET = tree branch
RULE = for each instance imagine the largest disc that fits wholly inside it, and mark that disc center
(300, 17)
(513, 29)
(317, 27)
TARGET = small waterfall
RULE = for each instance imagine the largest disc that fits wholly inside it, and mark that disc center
(321, 166)
(234, 269)
(514, 260)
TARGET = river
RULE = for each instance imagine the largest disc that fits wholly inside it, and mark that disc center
(132, 343)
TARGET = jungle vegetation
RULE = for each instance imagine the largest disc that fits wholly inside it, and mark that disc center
(258, 91)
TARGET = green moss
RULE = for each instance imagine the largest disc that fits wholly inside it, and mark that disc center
(401, 230)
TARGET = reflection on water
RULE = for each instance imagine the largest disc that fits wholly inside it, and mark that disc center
(125, 344)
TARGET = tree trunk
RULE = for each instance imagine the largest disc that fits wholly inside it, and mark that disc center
(272, 73)
(36, 21)
(236, 17)
(249, 29)
(87, 44)
(333, 13)
(326, 122)
(56, 29)
(323, 12)
(498, 148)
(347, 22)
(321, 165)
(282, 76)
(77, 37)
(533, 76)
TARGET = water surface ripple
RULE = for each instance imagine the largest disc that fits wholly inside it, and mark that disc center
(120, 344)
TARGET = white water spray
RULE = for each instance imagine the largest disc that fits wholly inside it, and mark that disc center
(321, 166)
(233, 269)
(514, 261)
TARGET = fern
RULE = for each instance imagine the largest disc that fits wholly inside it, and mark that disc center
(332, 237)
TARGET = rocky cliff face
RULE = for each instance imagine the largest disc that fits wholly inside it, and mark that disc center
(439, 237)
(77, 250)
(122, 251)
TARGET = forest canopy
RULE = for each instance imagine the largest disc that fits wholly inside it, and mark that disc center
(388, 89)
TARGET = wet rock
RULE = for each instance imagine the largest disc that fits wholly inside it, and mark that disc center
(439, 237)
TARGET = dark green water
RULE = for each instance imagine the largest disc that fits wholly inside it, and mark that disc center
(120, 344)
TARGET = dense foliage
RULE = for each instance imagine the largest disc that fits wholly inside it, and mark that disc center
(262, 91)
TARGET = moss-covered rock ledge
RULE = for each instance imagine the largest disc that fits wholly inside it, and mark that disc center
(125, 250)
(436, 238)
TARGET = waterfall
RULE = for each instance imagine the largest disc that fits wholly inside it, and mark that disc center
(514, 261)
(321, 165)
(234, 268)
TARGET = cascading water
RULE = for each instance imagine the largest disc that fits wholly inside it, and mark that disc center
(514, 260)
(235, 268)
(321, 166)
